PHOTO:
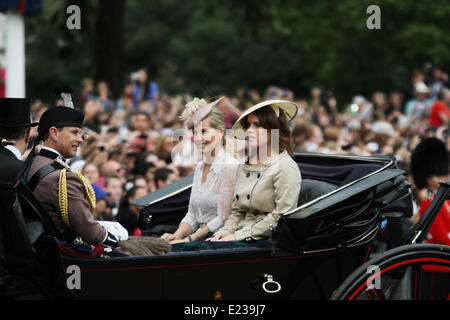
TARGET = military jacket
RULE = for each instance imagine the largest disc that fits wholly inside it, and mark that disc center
(79, 211)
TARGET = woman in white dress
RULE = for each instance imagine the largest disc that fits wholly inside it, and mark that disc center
(214, 176)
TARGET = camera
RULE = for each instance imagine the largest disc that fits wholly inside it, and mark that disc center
(446, 133)
(354, 108)
(113, 130)
(87, 133)
(109, 204)
(348, 147)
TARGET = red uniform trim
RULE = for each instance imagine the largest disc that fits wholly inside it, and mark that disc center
(393, 267)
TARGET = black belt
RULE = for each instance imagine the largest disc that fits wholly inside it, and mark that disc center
(64, 233)
(41, 173)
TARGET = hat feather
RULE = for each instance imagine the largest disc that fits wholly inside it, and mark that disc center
(66, 95)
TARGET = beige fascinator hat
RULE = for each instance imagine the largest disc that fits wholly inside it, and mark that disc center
(290, 110)
(196, 110)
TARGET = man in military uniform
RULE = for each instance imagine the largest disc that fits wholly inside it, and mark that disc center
(66, 195)
(14, 134)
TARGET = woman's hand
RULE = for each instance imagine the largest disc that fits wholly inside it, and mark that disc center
(168, 236)
(230, 237)
(222, 237)
(215, 237)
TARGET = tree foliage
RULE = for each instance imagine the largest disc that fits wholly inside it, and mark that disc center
(209, 47)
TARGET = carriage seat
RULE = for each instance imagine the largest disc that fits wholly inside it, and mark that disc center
(312, 189)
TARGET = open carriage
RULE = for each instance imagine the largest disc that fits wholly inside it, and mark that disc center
(346, 205)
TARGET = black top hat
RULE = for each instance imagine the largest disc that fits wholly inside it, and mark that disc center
(429, 158)
(15, 112)
(60, 116)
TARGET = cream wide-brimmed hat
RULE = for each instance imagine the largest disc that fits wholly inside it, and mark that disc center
(196, 110)
(289, 108)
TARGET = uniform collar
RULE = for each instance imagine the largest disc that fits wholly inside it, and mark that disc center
(50, 153)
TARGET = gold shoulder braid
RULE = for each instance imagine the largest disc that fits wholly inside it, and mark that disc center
(62, 189)
(88, 190)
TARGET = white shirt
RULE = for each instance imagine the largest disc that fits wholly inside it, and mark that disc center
(15, 151)
(210, 202)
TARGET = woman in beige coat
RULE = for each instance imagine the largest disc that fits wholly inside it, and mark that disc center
(268, 183)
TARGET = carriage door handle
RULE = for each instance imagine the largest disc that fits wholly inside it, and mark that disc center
(270, 283)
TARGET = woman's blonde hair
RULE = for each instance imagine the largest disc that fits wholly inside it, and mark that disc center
(159, 144)
(331, 133)
(216, 119)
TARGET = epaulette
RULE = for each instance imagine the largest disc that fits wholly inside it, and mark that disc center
(60, 161)
(5, 142)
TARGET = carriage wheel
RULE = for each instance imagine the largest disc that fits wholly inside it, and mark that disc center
(415, 271)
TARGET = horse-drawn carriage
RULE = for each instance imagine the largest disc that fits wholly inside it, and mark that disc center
(323, 249)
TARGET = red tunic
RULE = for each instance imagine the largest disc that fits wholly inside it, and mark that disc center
(439, 232)
(438, 108)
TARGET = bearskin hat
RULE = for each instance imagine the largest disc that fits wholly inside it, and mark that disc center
(429, 158)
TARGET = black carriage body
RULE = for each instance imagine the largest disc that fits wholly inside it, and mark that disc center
(233, 274)
(314, 248)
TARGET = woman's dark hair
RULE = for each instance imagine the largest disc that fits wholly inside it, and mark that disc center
(269, 120)
(125, 202)
(162, 174)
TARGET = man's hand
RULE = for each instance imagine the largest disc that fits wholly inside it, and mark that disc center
(116, 229)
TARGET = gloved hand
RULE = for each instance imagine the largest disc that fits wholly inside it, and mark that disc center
(116, 229)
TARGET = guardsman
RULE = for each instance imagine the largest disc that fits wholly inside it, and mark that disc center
(66, 195)
(15, 127)
(430, 167)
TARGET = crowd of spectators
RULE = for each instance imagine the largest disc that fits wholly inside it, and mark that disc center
(132, 146)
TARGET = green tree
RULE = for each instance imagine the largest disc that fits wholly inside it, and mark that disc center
(343, 55)
(109, 46)
(55, 55)
(209, 47)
